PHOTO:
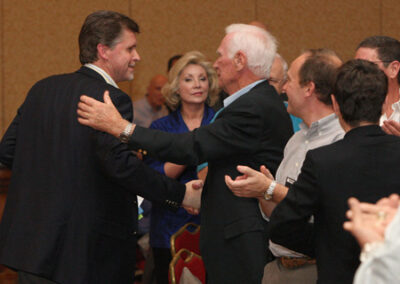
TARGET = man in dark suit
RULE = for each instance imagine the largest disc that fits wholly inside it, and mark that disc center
(71, 214)
(365, 164)
(252, 129)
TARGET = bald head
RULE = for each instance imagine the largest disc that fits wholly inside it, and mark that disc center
(154, 95)
(258, 24)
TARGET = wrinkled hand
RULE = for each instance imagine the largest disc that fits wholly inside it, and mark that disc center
(364, 223)
(251, 184)
(391, 127)
(192, 200)
(101, 116)
(266, 172)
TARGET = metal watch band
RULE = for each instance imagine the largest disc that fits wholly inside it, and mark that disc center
(270, 191)
(126, 134)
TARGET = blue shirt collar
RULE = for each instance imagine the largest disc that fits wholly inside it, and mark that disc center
(241, 92)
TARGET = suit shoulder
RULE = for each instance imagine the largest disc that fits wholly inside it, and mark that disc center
(53, 79)
(264, 91)
(328, 152)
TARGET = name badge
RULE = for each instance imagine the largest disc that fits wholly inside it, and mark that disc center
(289, 182)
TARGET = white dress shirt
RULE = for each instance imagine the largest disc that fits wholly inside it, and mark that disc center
(383, 264)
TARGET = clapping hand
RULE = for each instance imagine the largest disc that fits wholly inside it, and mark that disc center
(251, 184)
(368, 222)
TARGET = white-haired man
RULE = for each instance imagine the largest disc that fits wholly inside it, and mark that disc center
(252, 129)
(278, 74)
(277, 78)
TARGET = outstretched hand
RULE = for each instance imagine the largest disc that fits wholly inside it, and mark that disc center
(391, 127)
(368, 222)
(251, 184)
(101, 116)
(192, 200)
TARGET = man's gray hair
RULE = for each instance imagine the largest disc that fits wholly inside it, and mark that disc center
(257, 44)
(284, 65)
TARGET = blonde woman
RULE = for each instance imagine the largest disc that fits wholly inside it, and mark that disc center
(192, 87)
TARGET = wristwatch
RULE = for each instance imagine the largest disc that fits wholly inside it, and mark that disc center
(126, 134)
(270, 191)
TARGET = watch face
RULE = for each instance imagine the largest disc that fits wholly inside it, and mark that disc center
(123, 138)
(267, 196)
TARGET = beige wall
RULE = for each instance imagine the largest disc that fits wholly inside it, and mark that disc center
(39, 37)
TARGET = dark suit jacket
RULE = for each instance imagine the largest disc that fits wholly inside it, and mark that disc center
(251, 131)
(365, 164)
(71, 213)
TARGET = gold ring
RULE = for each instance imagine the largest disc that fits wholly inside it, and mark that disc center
(381, 215)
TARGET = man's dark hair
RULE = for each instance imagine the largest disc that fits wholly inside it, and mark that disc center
(172, 60)
(387, 49)
(320, 68)
(103, 27)
(360, 91)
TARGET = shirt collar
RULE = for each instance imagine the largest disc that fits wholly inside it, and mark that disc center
(396, 106)
(241, 92)
(103, 74)
(319, 127)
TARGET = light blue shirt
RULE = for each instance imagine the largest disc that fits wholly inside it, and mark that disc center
(241, 92)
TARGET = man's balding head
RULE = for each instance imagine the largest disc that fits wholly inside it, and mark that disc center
(154, 95)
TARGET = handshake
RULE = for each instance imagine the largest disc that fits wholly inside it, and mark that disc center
(192, 200)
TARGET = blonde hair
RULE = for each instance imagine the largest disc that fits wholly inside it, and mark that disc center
(170, 89)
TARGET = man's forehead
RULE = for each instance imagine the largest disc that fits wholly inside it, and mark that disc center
(158, 80)
(367, 53)
(224, 42)
(128, 35)
(297, 63)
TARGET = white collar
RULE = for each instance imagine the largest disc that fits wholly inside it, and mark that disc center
(102, 73)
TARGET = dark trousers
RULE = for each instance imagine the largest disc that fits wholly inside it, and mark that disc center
(162, 258)
(28, 278)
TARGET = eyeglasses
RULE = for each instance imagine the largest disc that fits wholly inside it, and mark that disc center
(276, 80)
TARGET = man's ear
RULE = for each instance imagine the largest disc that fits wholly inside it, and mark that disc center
(102, 51)
(335, 105)
(393, 69)
(309, 88)
(239, 60)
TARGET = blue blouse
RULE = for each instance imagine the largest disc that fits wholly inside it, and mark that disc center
(164, 222)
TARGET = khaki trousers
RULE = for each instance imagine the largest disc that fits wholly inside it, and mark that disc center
(276, 273)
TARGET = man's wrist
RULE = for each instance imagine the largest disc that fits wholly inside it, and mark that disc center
(369, 249)
(125, 131)
(270, 190)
